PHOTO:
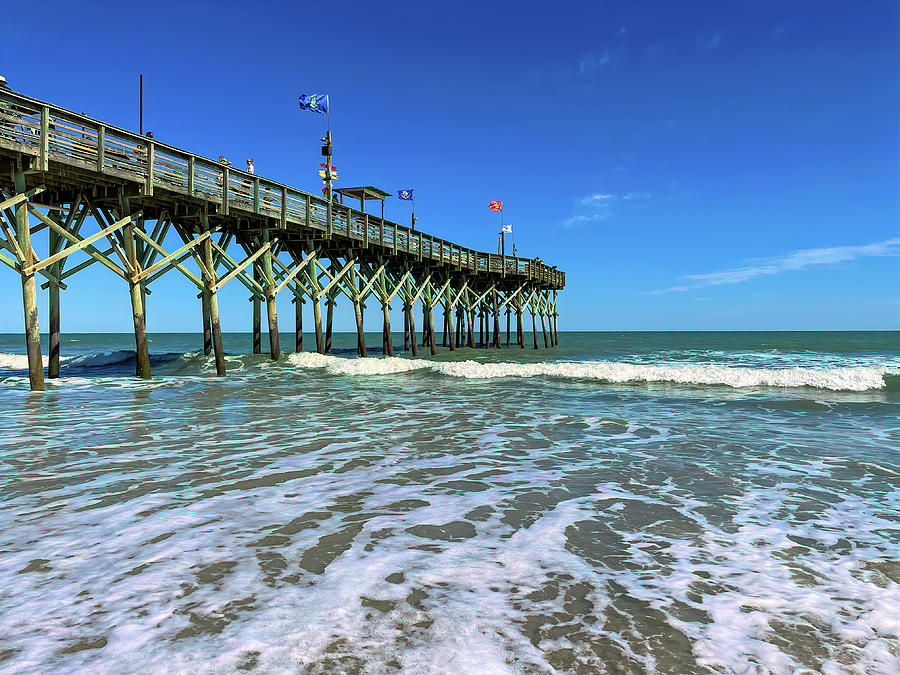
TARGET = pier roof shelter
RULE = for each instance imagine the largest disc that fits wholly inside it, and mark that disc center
(364, 194)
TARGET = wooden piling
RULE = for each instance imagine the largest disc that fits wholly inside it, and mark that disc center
(451, 335)
(329, 316)
(405, 326)
(446, 328)
(481, 327)
(412, 331)
(213, 303)
(496, 342)
(257, 314)
(387, 340)
(142, 358)
(520, 329)
(470, 340)
(544, 329)
(274, 348)
(360, 335)
(29, 293)
(298, 324)
(53, 360)
(534, 329)
(507, 326)
(207, 323)
(432, 342)
(317, 319)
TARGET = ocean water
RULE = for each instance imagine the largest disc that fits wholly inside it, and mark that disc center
(624, 503)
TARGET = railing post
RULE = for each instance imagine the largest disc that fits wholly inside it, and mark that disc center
(225, 190)
(366, 230)
(148, 190)
(308, 213)
(101, 148)
(256, 195)
(283, 207)
(45, 139)
(190, 181)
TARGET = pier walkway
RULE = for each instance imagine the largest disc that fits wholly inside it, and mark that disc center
(113, 197)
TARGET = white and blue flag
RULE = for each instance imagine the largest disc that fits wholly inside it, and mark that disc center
(315, 102)
(406, 194)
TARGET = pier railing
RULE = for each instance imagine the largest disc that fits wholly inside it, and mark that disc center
(49, 132)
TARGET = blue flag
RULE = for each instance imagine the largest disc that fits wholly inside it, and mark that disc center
(406, 194)
(315, 102)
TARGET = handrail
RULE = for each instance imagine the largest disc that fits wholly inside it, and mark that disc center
(48, 130)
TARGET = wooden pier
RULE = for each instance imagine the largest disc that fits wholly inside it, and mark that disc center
(118, 199)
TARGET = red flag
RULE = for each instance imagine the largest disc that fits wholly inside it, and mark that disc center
(496, 206)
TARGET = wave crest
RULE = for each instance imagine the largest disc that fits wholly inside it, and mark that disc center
(837, 379)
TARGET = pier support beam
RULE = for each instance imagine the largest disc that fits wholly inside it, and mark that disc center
(274, 348)
(257, 315)
(53, 358)
(405, 326)
(317, 320)
(142, 358)
(329, 318)
(507, 326)
(212, 302)
(544, 330)
(298, 323)
(470, 316)
(534, 329)
(207, 323)
(412, 330)
(29, 293)
(520, 330)
(496, 321)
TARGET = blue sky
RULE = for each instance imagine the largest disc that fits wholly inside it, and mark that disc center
(691, 165)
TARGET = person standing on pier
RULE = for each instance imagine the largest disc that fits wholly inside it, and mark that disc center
(250, 168)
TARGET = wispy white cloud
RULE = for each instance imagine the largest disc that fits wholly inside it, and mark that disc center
(709, 40)
(598, 206)
(798, 260)
(592, 62)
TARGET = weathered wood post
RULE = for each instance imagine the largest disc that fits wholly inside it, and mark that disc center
(207, 322)
(329, 316)
(451, 334)
(432, 341)
(534, 328)
(387, 340)
(298, 323)
(358, 311)
(496, 320)
(29, 292)
(544, 330)
(412, 329)
(481, 324)
(555, 324)
(213, 302)
(257, 314)
(405, 326)
(446, 327)
(317, 320)
(520, 325)
(424, 322)
(470, 315)
(507, 325)
(53, 360)
(142, 357)
(274, 347)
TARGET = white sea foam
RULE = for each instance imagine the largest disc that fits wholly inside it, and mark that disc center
(837, 379)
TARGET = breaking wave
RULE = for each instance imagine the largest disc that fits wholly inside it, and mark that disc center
(860, 378)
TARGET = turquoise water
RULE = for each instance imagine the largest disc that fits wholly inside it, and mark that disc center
(626, 502)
